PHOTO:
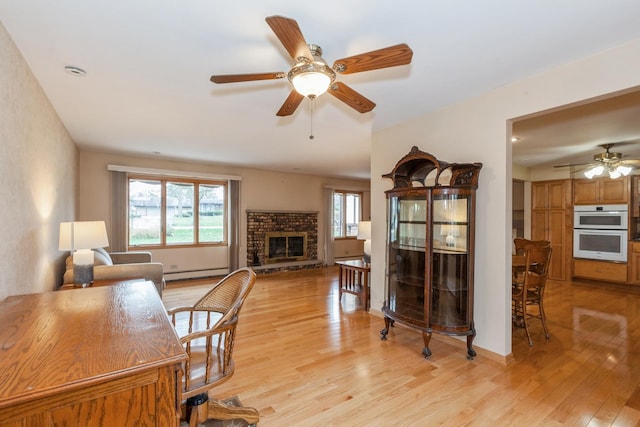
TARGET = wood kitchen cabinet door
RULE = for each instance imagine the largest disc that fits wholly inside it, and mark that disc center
(559, 239)
(539, 224)
(634, 267)
(549, 194)
(603, 191)
(551, 219)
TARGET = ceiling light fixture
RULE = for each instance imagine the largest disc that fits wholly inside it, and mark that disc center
(614, 171)
(311, 79)
(75, 71)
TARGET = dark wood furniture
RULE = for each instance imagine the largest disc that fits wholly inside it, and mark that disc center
(207, 329)
(103, 356)
(353, 279)
(430, 247)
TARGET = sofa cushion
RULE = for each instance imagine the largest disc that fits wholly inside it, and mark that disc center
(101, 257)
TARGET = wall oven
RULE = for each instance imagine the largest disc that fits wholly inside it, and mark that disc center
(600, 232)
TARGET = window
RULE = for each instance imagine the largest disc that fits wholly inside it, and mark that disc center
(346, 213)
(176, 212)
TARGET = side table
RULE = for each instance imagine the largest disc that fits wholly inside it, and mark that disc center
(354, 279)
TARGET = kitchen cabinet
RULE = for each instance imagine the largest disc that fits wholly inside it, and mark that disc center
(600, 270)
(552, 220)
(601, 191)
(551, 194)
(430, 247)
(634, 263)
(634, 208)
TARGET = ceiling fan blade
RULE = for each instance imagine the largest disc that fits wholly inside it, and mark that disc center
(572, 165)
(234, 78)
(630, 162)
(391, 56)
(290, 36)
(290, 104)
(350, 97)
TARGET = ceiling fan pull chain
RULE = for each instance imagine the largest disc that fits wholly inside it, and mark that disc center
(311, 101)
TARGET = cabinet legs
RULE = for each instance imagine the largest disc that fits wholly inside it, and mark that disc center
(426, 337)
(387, 324)
(471, 353)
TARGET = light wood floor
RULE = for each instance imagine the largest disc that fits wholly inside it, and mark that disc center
(303, 358)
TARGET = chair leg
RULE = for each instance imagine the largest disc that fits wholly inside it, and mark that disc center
(525, 323)
(196, 410)
(220, 411)
(543, 319)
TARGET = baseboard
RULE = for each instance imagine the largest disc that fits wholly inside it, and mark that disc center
(195, 274)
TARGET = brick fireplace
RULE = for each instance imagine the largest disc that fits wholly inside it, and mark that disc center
(278, 239)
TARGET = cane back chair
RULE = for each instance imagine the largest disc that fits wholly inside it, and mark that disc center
(207, 332)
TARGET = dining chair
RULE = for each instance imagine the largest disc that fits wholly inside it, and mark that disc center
(528, 288)
(207, 332)
(520, 244)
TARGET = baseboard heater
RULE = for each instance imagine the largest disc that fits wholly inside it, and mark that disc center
(195, 274)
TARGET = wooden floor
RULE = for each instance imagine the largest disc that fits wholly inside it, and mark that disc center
(303, 358)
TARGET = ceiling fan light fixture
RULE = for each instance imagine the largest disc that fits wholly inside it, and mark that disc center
(311, 84)
(624, 170)
(595, 171)
(311, 79)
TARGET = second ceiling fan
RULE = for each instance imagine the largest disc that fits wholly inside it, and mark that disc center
(311, 76)
(609, 162)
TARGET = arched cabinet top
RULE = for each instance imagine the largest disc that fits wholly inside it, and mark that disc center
(417, 168)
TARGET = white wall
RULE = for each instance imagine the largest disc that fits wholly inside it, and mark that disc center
(38, 169)
(478, 130)
(259, 190)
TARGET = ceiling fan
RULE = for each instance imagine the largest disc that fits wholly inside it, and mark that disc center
(609, 162)
(311, 76)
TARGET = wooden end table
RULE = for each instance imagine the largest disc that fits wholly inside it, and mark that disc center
(354, 279)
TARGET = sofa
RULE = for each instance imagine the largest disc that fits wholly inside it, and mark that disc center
(122, 265)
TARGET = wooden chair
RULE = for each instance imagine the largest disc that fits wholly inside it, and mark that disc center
(207, 332)
(520, 243)
(528, 288)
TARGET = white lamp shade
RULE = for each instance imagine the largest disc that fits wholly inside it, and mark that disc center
(364, 230)
(83, 235)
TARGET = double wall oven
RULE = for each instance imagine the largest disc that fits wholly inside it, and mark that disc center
(600, 232)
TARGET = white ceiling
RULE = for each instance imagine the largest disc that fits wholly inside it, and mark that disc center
(148, 62)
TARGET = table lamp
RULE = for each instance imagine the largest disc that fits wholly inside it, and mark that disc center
(364, 233)
(80, 237)
(450, 232)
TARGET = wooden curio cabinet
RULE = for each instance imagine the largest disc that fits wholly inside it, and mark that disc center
(430, 247)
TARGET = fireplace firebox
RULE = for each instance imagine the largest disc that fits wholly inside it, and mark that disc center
(283, 246)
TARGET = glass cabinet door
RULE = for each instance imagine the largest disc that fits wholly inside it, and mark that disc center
(406, 256)
(449, 288)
